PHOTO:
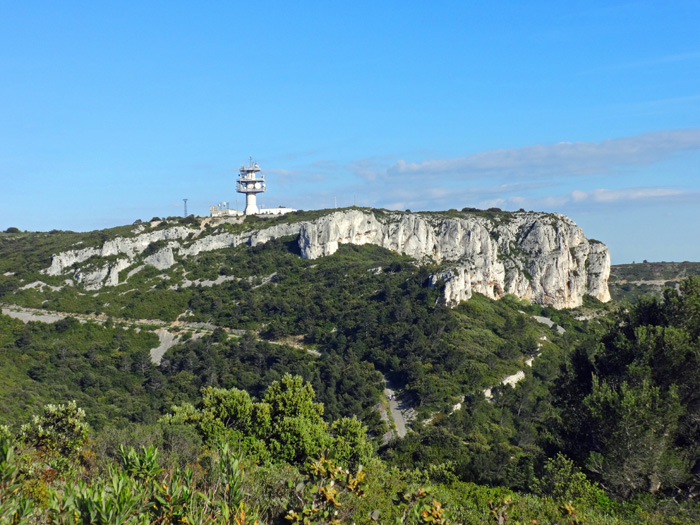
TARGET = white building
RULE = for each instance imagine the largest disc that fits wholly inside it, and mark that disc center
(250, 183)
(222, 210)
(280, 210)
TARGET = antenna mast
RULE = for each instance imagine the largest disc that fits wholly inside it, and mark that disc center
(185, 201)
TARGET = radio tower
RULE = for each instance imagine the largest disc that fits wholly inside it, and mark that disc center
(185, 201)
(250, 183)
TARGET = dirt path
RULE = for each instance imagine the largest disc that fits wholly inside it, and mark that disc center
(166, 338)
(25, 315)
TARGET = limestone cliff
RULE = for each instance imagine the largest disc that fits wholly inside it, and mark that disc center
(544, 258)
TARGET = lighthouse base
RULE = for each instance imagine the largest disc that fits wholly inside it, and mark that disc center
(251, 206)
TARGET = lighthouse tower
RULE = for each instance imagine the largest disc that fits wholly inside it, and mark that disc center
(250, 182)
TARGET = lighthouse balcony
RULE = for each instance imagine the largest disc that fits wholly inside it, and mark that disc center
(251, 188)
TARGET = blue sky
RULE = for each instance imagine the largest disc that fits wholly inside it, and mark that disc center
(114, 111)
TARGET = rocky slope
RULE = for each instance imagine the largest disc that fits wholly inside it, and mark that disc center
(544, 258)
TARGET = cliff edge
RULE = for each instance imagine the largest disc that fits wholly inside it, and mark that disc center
(542, 257)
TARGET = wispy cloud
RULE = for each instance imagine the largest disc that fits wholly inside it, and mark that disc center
(600, 196)
(371, 168)
(627, 194)
(561, 159)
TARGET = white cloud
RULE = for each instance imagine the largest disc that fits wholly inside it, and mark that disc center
(598, 196)
(578, 195)
(561, 159)
(627, 194)
(371, 168)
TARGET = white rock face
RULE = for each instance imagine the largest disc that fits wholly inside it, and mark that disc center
(66, 259)
(162, 260)
(129, 246)
(274, 232)
(212, 242)
(186, 242)
(544, 258)
(107, 275)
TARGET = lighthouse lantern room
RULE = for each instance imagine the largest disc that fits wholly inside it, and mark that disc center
(251, 182)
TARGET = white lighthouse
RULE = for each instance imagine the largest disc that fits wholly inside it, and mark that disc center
(251, 182)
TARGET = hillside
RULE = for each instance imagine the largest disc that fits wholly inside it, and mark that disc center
(329, 307)
(631, 281)
(544, 258)
(179, 333)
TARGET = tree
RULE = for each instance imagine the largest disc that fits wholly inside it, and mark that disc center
(58, 434)
(292, 397)
(634, 427)
(350, 444)
(630, 407)
(287, 425)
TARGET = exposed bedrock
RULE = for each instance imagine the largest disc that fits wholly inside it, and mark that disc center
(542, 257)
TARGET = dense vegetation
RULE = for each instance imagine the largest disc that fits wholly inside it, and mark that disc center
(605, 419)
(632, 281)
(50, 473)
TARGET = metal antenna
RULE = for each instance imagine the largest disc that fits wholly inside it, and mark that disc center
(185, 201)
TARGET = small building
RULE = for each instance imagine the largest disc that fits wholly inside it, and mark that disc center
(280, 210)
(222, 210)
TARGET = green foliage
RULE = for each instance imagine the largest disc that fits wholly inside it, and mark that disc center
(633, 425)
(58, 434)
(138, 494)
(105, 368)
(320, 497)
(15, 507)
(351, 445)
(563, 481)
(142, 466)
(287, 425)
(222, 488)
(632, 405)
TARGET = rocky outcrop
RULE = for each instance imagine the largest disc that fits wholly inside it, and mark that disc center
(128, 246)
(162, 259)
(274, 232)
(544, 258)
(107, 275)
(185, 242)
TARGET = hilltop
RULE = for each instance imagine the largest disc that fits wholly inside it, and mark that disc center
(631, 281)
(382, 288)
(431, 340)
(544, 258)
